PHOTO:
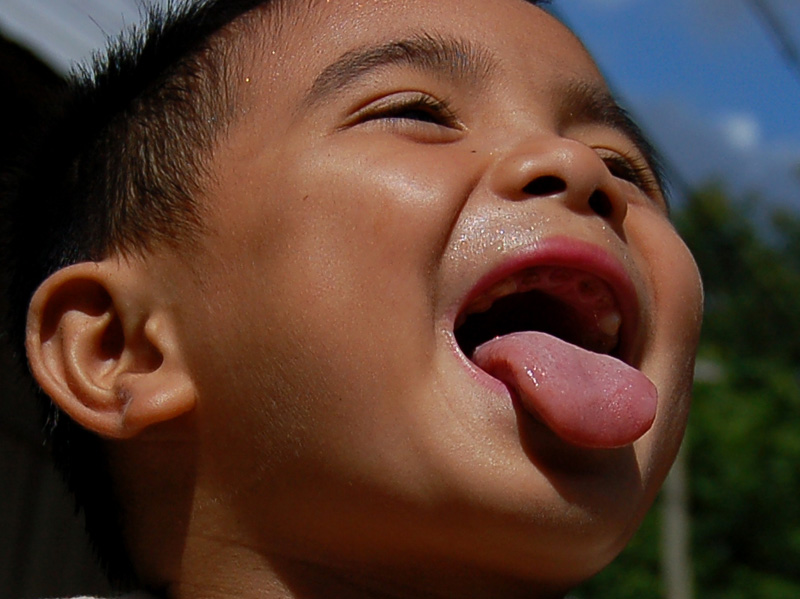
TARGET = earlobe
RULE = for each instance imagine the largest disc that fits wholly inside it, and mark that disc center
(101, 349)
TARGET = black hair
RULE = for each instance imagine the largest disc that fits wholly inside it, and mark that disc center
(121, 169)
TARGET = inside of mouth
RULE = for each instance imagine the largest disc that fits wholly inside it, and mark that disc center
(533, 310)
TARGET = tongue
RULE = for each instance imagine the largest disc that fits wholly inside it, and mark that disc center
(587, 399)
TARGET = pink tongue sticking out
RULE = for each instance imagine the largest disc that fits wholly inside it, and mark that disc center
(587, 399)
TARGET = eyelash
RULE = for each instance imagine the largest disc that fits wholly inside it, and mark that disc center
(632, 169)
(416, 107)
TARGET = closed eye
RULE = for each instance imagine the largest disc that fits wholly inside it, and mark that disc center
(631, 169)
(409, 112)
(417, 112)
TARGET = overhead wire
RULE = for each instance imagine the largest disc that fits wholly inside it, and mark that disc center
(780, 34)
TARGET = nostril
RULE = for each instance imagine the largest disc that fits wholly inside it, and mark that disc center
(545, 186)
(601, 205)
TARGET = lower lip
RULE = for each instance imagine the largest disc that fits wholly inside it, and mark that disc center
(481, 376)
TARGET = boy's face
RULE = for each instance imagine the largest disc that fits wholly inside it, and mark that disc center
(362, 205)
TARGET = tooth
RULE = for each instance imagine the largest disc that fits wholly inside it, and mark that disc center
(481, 304)
(530, 279)
(559, 276)
(610, 323)
(507, 287)
(484, 302)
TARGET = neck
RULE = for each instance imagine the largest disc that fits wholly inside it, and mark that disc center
(212, 571)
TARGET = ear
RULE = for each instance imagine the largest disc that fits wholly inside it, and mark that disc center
(103, 350)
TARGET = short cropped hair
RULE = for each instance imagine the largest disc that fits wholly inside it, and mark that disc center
(122, 169)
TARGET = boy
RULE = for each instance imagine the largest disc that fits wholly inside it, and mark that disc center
(355, 298)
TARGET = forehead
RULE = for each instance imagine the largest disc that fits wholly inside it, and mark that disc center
(512, 36)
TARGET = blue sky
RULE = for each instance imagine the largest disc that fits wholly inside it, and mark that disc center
(704, 77)
(708, 83)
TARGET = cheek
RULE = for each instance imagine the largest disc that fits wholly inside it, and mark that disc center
(675, 291)
(361, 229)
(675, 308)
(388, 200)
(678, 299)
(319, 299)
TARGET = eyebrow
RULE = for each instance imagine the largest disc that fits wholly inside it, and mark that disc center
(453, 59)
(585, 102)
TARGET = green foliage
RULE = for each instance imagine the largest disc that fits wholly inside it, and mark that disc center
(751, 276)
(744, 446)
(744, 433)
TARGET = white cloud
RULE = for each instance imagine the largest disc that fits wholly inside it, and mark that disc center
(742, 131)
(731, 149)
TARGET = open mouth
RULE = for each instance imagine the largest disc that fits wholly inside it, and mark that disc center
(573, 305)
(559, 338)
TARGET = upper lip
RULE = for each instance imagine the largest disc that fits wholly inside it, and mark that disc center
(578, 256)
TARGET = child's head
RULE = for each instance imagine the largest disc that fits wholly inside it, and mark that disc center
(275, 246)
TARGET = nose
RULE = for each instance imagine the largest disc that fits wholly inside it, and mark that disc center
(564, 169)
